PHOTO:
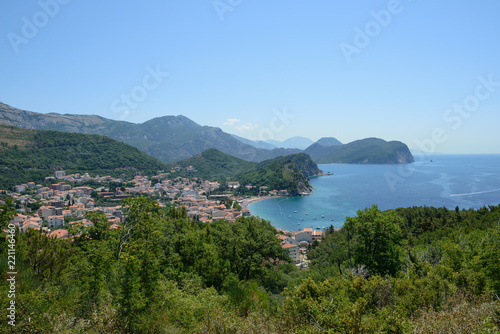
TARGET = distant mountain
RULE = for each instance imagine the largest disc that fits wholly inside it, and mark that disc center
(364, 151)
(168, 138)
(329, 141)
(31, 155)
(254, 143)
(293, 142)
(174, 138)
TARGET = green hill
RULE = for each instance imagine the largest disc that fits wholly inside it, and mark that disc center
(364, 151)
(31, 155)
(288, 172)
(215, 165)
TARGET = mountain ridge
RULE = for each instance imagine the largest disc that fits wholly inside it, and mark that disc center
(182, 138)
(175, 138)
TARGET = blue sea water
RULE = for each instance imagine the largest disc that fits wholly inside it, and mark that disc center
(466, 181)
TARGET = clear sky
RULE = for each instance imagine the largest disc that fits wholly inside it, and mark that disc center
(420, 71)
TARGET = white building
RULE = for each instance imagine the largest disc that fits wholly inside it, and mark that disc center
(293, 250)
(56, 221)
(305, 235)
(59, 173)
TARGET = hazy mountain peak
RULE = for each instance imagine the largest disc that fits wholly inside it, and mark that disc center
(257, 144)
(329, 141)
(172, 122)
(293, 142)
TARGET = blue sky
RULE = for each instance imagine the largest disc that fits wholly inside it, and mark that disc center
(420, 71)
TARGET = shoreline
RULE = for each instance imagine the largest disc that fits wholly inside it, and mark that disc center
(247, 201)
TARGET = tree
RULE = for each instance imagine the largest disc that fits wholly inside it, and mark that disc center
(376, 240)
(7, 212)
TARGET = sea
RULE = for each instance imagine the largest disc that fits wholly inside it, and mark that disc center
(466, 181)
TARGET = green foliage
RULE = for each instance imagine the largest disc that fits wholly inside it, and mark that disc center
(375, 240)
(429, 271)
(212, 164)
(282, 173)
(7, 212)
(160, 271)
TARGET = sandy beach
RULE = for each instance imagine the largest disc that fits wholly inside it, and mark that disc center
(247, 201)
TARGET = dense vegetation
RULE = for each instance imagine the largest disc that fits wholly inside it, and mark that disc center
(289, 172)
(415, 270)
(160, 271)
(212, 164)
(282, 173)
(423, 269)
(30, 155)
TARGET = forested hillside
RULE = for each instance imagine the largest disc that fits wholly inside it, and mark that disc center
(213, 164)
(416, 270)
(289, 172)
(363, 151)
(31, 155)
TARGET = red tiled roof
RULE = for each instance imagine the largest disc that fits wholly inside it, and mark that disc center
(59, 233)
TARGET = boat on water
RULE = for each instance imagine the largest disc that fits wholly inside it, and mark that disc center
(314, 218)
(307, 214)
(301, 218)
(295, 211)
(322, 216)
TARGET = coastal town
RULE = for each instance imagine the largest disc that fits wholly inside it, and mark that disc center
(65, 200)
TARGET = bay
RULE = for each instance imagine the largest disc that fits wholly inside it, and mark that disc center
(466, 181)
